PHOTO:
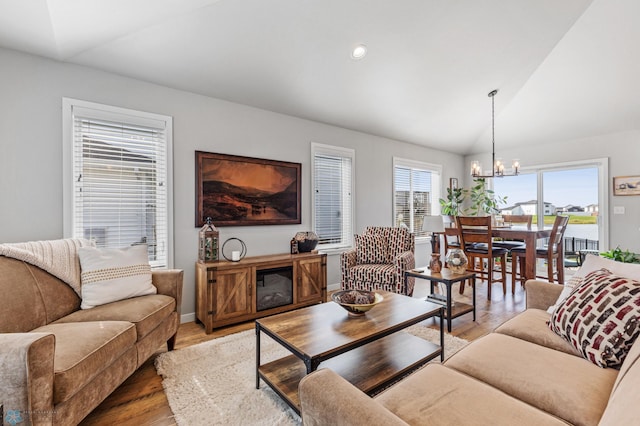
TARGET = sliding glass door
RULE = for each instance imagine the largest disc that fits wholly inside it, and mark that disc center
(576, 189)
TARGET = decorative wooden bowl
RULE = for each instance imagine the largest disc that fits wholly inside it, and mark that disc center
(356, 302)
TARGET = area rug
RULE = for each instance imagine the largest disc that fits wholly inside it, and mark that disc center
(213, 383)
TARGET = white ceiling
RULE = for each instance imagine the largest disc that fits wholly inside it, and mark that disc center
(565, 69)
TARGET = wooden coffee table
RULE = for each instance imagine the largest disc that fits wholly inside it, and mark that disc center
(366, 350)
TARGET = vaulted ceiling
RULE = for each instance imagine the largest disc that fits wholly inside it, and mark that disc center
(564, 69)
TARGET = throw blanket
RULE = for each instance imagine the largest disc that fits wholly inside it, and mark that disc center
(57, 257)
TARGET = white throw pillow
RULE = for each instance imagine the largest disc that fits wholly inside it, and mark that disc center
(593, 263)
(109, 275)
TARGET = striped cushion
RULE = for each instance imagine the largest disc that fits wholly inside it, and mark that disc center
(600, 318)
(109, 275)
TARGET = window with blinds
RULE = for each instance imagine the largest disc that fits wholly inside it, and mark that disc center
(333, 195)
(119, 166)
(416, 191)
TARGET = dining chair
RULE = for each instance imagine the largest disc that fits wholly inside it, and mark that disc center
(550, 252)
(477, 243)
(450, 241)
(523, 220)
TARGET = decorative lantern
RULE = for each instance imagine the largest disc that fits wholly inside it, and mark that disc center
(208, 238)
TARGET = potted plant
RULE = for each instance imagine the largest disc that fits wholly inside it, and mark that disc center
(621, 256)
(484, 202)
(453, 203)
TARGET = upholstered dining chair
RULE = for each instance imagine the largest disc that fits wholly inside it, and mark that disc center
(550, 252)
(523, 220)
(477, 243)
(379, 260)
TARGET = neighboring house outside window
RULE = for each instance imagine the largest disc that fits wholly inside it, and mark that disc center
(416, 193)
(117, 165)
(332, 201)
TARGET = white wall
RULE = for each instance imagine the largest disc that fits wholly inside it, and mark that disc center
(31, 155)
(623, 151)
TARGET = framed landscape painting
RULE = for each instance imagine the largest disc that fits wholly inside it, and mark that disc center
(240, 191)
(626, 185)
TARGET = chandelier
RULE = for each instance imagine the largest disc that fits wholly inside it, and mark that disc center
(498, 165)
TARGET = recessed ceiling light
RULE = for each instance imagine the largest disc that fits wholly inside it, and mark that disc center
(359, 52)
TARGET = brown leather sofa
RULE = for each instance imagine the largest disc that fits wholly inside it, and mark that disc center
(61, 362)
(521, 374)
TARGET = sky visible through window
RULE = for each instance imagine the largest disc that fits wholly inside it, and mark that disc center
(578, 187)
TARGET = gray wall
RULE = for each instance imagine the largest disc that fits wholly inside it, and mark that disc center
(31, 155)
(623, 151)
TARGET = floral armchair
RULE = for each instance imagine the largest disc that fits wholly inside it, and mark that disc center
(379, 260)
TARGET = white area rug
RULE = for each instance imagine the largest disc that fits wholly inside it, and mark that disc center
(213, 383)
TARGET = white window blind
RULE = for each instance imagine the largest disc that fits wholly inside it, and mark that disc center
(120, 190)
(333, 195)
(416, 190)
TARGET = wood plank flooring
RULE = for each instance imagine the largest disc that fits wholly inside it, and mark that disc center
(141, 400)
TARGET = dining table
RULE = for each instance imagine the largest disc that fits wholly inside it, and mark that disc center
(529, 236)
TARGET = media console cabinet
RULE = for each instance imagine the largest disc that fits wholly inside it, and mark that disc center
(254, 287)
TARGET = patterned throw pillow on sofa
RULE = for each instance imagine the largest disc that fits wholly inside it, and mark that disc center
(600, 318)
(371, 249)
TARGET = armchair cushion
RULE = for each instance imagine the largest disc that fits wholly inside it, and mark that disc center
(371, 249)
(369, 268)
(374, 274)
(398, 240)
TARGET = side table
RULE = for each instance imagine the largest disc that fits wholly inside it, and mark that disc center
(448, 278)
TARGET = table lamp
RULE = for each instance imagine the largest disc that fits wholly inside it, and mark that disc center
(435, 225)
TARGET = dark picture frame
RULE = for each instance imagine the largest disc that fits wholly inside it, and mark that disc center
(453, 183)
(245, 191)
(626, 185)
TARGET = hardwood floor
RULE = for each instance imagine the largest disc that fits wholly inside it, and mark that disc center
(141, 400)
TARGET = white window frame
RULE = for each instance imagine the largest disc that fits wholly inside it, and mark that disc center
(436, 187)
(112, 113)
(347, 234)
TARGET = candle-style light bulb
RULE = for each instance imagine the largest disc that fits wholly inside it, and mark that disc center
(516, 167)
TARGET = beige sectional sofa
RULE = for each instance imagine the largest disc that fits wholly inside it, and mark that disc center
(58, 362)
(521, 374)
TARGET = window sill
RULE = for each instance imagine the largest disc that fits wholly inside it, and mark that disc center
(334, 251)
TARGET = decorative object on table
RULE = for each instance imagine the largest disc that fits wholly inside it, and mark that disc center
(356, 302)
(456, 260)
(235, 190)
(306, 241)
(434, 225)
(236, 251)
(498, 165)
(294, 246)
(208, 238)
(626, 185)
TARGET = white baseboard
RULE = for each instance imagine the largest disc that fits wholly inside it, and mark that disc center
(332, 287)
(191, 317)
